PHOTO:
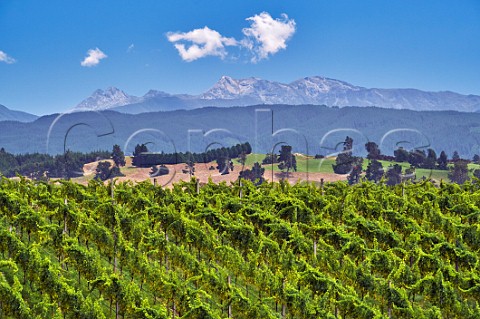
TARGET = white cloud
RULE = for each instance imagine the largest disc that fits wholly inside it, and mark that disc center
(204, 42)
(93, 58)
(130, 48)
(5, 58)
(266, 36)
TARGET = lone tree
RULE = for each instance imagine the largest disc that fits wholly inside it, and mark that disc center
(431, 159)
(442, 161)
(354, 176)
(118, 156)
(401, 155)
(348, 144)
(459, 172)
(455, 156)
(102, 171)
(417, 158)
(190, 167)
(374, 171)
(476, 159)
(344, 161)
(286, 159)
(394, 175)
(255, 174)
(373, 150)
(242, 158)
(105, 171)
(224, 165)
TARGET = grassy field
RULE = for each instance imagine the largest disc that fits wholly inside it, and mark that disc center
(304, 163)
(310, 164)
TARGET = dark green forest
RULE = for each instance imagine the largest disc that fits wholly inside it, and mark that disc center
(45, 166)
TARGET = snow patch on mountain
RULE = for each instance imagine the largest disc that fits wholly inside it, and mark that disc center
(315, 90)
(106, 99)
(306, 90)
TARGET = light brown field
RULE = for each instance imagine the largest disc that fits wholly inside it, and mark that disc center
(202, 173)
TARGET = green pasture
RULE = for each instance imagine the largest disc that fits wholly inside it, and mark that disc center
(312, 165)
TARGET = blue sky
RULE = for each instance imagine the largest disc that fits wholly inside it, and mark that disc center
(137, 46)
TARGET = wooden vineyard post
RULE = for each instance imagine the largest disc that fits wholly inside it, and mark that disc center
(336, 302)
(284, 307)
(65, 201)
(111, 188)
(114, 252)
(64, 230)
(112, 194)
(240, 184)
(389, 305)
(229, 305)
(166, 257)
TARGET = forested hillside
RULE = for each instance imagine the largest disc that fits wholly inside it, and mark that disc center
(230, 251)
(312, 129)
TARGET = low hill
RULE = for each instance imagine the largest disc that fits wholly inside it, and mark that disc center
(12, 115)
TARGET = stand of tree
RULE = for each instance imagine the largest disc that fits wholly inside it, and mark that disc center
(344, 161)
(255, 174)
(105, 170)
(148, 159)
(421, 159)
(286, 160)
(44, 166)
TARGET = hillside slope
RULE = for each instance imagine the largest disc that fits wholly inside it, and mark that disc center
(12, 115)
(309, 129)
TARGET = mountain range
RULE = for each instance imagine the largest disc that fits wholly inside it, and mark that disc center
(314, 90)
(313, 106)
(10, 115)
(228, 92)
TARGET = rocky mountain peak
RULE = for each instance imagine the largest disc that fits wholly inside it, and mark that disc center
(105, 99)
